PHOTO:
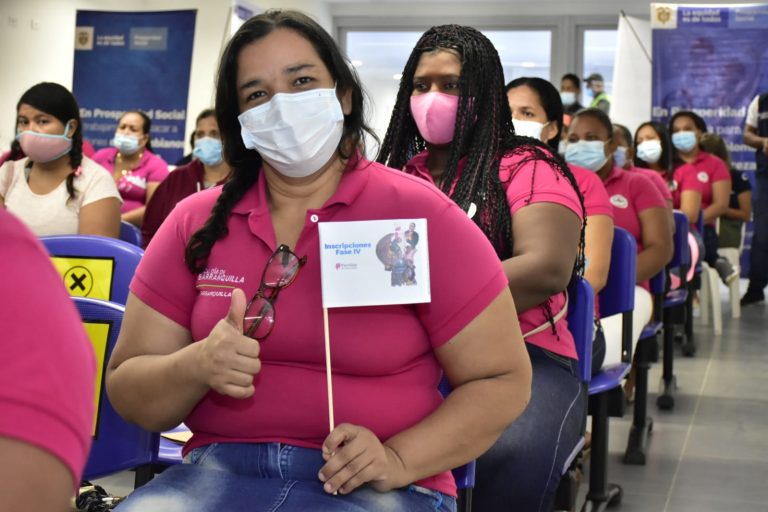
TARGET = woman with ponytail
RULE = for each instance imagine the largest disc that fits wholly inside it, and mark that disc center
(56, 190)
(251, 384)
(452, 126)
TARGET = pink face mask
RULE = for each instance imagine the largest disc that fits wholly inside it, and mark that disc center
(435, 116)
(42, 148)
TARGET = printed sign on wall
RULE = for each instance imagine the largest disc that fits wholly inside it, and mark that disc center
(712, 60)
(134, 60)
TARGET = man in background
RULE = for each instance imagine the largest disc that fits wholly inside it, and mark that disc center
(600, 99)
(756, 136)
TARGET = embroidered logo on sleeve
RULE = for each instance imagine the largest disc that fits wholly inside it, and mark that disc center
(672, 185)
(619, 201)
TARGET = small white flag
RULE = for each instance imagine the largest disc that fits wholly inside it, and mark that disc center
(377, 262)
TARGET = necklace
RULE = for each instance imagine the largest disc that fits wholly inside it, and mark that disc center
(127, 170)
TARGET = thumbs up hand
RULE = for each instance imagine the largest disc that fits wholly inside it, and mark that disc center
(227, 359)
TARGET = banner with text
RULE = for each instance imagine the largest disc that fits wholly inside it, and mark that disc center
(134, 61)
(712, 60)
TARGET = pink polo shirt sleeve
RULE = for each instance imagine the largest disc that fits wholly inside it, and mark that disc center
(47, 368)
(657, 181)
(162, 279)
(528, 180)
(596, 200)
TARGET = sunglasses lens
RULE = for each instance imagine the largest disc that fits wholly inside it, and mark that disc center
(259, 319)
(281, 269)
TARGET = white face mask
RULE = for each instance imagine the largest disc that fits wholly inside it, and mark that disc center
(528, 128)
(649, 151)
(568, 98)
(297, 134)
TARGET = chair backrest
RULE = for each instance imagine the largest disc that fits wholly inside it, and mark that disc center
(682, 256)
(581, 318)
(130, 233)
(117, 444)
(618, 295)
(94, 266)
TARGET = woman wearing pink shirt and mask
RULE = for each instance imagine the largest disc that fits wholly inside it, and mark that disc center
(250, 383)
(55, 189)
(537, 112)
(452, 114)
(710, 174)
(638, 207)
(134, 167)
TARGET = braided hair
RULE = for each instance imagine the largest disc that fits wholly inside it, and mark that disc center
(57, 101)
(245, 163)
(483, 134)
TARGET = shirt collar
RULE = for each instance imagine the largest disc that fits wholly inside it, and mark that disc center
(352, 183)
(615, 174)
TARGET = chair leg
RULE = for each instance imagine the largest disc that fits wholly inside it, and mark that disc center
(464, 503)
(143, 475)
(641, 424)
(601, 494)
(713, 285)
(734, 291)
(704, 297)
(666, 400)
(689, 345)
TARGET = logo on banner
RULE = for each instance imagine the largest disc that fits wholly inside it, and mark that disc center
(619, 201)
(84, 38)
(370, 263)
(664, 16)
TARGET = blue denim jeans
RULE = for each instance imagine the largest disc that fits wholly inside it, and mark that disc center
(522, 470)
(265, 478)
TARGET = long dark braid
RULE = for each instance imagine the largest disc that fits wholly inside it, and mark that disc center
(245, 163)
(483, 133)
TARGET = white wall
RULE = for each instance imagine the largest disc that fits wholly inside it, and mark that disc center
(37, 41)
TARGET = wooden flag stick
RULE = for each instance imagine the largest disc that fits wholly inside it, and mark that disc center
(331, 421)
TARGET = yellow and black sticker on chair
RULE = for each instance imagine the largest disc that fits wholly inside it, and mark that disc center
(86, 277)
(98, 333)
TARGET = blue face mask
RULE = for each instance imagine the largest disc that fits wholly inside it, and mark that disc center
(208, 151)
(620, 156)
(126, 144)
(684, 141)
(589, 154)
(568, 98)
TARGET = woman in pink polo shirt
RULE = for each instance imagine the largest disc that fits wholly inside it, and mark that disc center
(452, 114)
(47, 375)
(652, 150)
(692, 164)
(638, 207)
(290, 111)
(136, 170)
(537, 112)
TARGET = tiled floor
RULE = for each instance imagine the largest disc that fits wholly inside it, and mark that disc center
(710, 453)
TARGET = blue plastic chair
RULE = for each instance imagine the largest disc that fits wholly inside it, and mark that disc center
(581, 321)
(130, 233)
(117, 444)
(94, 266)
(678, 310)
(606, 396)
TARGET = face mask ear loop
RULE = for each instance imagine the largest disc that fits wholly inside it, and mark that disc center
(66, 130)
